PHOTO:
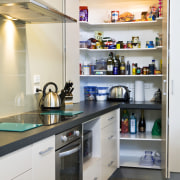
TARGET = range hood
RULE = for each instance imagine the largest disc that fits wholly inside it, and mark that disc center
(32, 11)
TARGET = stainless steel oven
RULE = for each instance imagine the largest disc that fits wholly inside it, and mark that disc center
(69, 154)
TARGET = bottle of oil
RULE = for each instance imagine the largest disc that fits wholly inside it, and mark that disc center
(142, 123)
(116, 67)
(122, 66)
(110, 64)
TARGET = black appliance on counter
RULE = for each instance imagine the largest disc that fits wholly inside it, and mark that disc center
(87, 145)
(68, 155)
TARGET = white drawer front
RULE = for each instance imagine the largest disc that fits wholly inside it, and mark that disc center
(108, 118)
(16, 163)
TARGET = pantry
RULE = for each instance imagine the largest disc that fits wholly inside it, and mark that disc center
(101, 23)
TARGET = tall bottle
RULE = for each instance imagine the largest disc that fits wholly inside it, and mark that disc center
(142, 123)
(122, 66)
(125, 122)
(116, 67)
(132, 124)
(128, 69)
(110, 64)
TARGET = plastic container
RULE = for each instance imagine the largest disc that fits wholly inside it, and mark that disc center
(102, 90)
(147, 159)
(90, 92)
(101, 97)
(83, 44)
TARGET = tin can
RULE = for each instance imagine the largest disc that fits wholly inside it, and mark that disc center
(98, 45)
(114, 16)
(129, 44)
(151, 68)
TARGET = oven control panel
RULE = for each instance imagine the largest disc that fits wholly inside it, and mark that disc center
(68, 136)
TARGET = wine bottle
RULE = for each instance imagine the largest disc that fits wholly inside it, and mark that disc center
(142, 123)
(110, 64)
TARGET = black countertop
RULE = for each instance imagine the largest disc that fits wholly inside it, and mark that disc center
(11, 141)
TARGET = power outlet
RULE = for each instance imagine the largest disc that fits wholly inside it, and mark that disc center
(34, 90)
(36, 79)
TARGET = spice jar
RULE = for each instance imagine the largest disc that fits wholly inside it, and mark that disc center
(138, 71)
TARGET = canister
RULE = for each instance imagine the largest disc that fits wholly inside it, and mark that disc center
(135, 39)
(151, 68)
(114, 16)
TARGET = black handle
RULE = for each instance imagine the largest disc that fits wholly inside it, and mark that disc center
(47, 84)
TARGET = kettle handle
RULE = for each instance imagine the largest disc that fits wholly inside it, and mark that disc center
(46, 85)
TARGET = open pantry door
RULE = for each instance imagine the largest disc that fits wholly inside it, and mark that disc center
(164, 149)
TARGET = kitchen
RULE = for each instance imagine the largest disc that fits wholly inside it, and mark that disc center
(41, 45)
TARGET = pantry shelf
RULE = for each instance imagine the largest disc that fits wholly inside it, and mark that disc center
(157, 22)
(139, 137)
(129, 50)
(134, 161)
(135, 76)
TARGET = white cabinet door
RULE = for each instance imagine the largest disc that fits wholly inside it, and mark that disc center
(16, 163)
(44, 159)
(25, 176)
(109, 143)
(174, 85)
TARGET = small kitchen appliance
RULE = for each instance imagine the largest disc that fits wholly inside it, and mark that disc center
(119, 93)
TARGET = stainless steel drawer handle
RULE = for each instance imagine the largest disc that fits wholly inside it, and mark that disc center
(110, 137)
(45, 151)
(111, 118)
(110, 164)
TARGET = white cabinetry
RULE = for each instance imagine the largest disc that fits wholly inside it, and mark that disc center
(34, 162)
(16, 164)
(25, 176)
(109, 143)
(174, 85)
(43, 163)
(105, 152)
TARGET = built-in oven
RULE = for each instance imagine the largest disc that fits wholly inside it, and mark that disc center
(69, 154)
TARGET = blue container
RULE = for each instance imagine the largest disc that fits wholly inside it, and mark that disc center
(90, 92)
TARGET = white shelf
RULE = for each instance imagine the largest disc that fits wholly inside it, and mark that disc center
(135, 76)
(129, 50)
(140, 137)
(134, 161)
(157, 22)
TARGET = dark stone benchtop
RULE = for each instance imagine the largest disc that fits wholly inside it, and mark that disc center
(11, 141)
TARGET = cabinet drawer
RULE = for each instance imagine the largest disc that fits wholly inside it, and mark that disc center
(17, 163)
(44, 159)
(108, 118)
(109, 141)
(25, 176)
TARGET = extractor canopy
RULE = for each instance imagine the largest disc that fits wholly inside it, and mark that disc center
(32, 11)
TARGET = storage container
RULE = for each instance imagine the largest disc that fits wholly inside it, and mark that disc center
(101, 97)
(90, 92)
(102, 90)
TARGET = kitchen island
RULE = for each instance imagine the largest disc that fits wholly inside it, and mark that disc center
(12, 141)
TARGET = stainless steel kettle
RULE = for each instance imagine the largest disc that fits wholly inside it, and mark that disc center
(51, 99)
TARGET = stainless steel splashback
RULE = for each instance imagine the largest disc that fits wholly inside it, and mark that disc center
(33, 11)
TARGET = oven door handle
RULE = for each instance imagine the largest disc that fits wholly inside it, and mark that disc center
(69, 152)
